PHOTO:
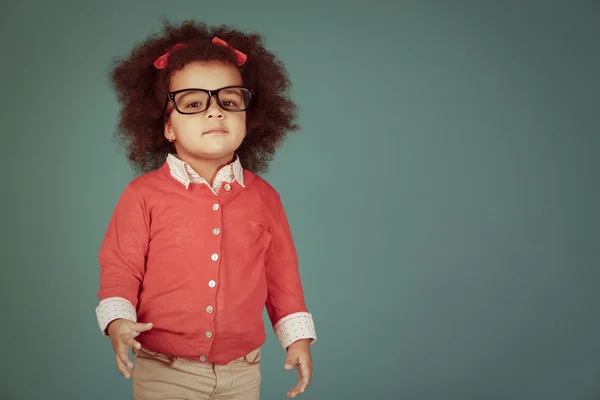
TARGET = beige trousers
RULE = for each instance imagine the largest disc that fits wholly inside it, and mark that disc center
(158, 376)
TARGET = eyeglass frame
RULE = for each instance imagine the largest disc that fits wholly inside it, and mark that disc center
(211, 93)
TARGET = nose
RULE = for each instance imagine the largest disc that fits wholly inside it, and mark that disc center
(213, 110)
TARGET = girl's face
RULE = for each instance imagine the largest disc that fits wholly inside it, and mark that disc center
(214, 134)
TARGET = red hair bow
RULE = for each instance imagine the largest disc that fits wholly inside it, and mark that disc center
(239, 56)
(162, 61)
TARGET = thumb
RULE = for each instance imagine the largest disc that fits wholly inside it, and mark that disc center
(290, 362)
(141, 327)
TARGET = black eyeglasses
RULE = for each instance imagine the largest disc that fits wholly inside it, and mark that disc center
(194, 101)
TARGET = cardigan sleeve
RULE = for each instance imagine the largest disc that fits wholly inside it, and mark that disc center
(285, 298)
(123, 253)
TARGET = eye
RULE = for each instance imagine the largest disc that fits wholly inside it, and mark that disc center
(194, 104)
(231, 99)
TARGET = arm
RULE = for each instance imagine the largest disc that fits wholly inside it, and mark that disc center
(285, 298)
(122, 260)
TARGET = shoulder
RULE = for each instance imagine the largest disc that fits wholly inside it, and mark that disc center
(149, 178)
(272, 204)
(259, 184)
(143, 186)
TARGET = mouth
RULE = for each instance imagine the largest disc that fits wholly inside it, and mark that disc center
(215, 131)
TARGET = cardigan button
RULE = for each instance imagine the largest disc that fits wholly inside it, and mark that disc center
(210, 309)
(208, 334)
(215, 207)
(202, 358)
(214, 257)
(227, 187)
(212, 283)
(216, 231)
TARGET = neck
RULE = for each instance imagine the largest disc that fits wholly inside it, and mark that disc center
(207, 168)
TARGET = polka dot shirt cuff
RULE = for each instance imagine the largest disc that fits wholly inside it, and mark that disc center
(295, 327)
(113, 308)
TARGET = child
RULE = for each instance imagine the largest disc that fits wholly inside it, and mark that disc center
(199, 243)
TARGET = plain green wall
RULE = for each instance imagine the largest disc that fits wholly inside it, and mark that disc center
(443, 193)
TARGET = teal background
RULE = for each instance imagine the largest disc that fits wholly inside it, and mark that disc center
(443, 193)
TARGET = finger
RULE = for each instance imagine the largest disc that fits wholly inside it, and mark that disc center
(124, 356)
(294, 392)
(302, 384)
(303, 381)
(126, 372)
(304, 373)
(133, 343)
(139, 327)
(123, 369)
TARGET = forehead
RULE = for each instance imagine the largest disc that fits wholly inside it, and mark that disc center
(205, 75)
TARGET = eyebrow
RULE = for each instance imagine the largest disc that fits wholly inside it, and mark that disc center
(184, 94)
(233, 92)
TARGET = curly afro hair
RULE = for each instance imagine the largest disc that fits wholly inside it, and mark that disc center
(141, 90)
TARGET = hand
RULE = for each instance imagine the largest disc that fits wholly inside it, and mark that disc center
(298, 355)
(122, 333)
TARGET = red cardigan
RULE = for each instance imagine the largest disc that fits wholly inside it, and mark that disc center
(201, 267)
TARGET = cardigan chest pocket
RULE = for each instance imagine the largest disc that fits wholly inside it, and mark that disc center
(251, 235)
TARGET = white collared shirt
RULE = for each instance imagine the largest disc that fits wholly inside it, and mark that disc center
(185, 174)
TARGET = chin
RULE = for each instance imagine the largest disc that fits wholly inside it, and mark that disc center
(214, 155)
(210, 150)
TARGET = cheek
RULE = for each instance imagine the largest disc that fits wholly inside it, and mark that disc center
(239, 122)
(189, 125)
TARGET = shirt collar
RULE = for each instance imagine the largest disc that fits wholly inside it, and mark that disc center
(185, 174)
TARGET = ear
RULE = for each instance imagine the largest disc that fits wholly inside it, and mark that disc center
(169, 131)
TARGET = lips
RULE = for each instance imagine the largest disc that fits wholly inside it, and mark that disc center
(215, 130)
